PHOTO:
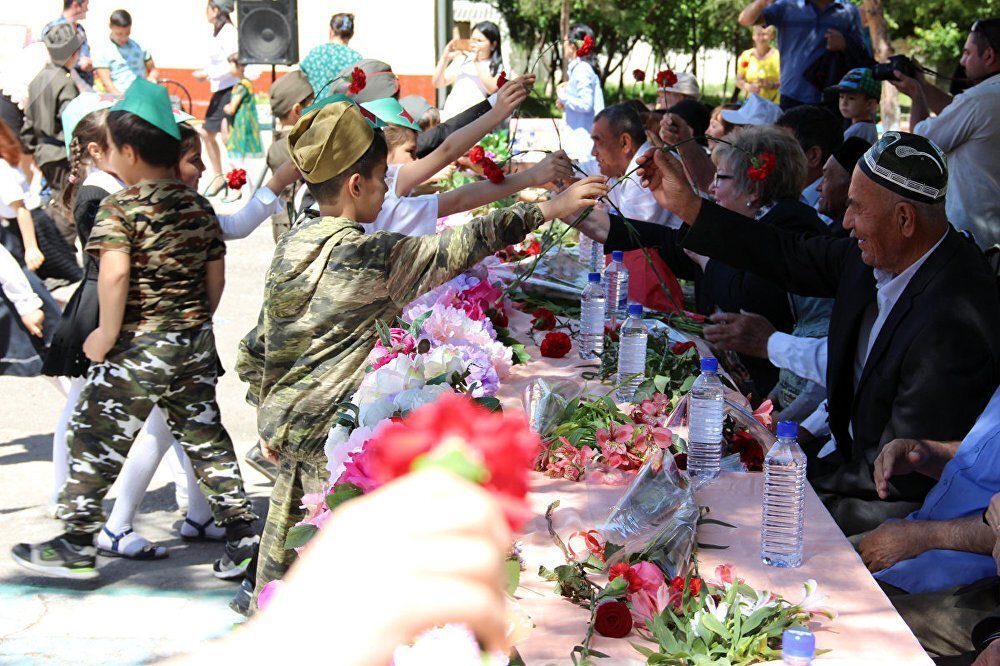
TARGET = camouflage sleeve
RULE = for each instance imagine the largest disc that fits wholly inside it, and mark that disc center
(417, 264)
(250, 361)
(113, 230)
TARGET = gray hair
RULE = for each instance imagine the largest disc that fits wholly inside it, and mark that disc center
(789, 177)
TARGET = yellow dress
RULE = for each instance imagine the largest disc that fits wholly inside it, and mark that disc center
(762, 70)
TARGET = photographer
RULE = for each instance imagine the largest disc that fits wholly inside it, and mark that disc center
(967, 128)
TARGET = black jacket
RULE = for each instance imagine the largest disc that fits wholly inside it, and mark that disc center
(721, 285)
(431, 138)
(930, 373)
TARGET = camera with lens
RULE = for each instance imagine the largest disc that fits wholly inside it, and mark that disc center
(885, 71)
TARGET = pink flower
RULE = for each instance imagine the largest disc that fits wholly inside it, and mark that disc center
(648, 577)
(358, 470)
(724, 573)
(763, 414)
(646, 605)
(266, 594)
(400, 342)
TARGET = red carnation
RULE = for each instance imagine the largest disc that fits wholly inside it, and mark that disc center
(543, 320)
(639, 75)
(555, 345)
(695, 587)
(745, 64)
(666, 78)
(494, 173)
(613, 619)
(502, 79)
(477, 154)
(762, 166)
(586, 47)
(497, 448)
(534, 248)
(679, 348)
(236, 179)
(358, 81)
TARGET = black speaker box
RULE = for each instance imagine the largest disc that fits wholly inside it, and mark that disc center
(268, 31)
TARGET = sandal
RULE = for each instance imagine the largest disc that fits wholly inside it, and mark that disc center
(147, 551)
(202, 531)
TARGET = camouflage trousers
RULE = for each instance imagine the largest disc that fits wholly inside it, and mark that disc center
(295, 479)
(177, 371)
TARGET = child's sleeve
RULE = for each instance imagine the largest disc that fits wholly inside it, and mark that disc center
(113, 230)
(415, 265)
(250, 360)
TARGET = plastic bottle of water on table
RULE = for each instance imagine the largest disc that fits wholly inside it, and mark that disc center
(591, 254)
(781, 529)
(616, 284)
(592, 317)
(631, 353)
(705, 418)
(798, 647)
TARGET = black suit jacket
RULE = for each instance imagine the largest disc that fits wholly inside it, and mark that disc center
(722, 285)
(931, 371)
(431, 138)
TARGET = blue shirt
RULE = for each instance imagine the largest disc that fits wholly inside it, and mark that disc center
(124, 63)
(968, 482)
(582, 99)
(802, 39)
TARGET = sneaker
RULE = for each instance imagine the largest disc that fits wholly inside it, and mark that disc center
(241, 602)
(236, 558)
(256, 459)
(58, 558)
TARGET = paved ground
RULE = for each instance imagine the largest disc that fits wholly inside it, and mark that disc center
(137, 610)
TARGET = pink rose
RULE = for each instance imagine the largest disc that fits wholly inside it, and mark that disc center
(400, 342)
(266, 594)
(648, 577)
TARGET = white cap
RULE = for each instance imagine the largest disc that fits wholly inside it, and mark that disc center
(755, 111)
(686, 85)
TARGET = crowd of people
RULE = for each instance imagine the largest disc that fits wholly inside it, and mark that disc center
(844, 265)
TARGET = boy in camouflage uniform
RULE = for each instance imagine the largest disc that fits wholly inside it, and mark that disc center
(161, 277)
(328, 284)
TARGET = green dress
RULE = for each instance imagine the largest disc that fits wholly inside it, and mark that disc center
(244, 133)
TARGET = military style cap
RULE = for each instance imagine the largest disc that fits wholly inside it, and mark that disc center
(291, 89)
(79, 108)
(380, 81)
(852, 150)
(151, 102)
(416, 106)
(329, 140)
(62, 40)
(388, 111)
(908, 165)
(860, 80)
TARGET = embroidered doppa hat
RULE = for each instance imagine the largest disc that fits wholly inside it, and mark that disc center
(329, 140)
(908, 165)
(151, 102)
(79, 108)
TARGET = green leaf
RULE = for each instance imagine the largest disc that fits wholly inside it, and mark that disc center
(383, 333)
(714, 521)
(547, 574)
(342, 492)
(490, 403)
(419, 322)
(688, 383)
(614, 588)
(512, 573)
(519, 354)
(299, 536)
(711, 622)
(610, 549)
(440, 379)
(660, 382)
(453, 458)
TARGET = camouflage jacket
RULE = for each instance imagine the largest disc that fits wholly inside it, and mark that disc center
(170, 233)
(327, 285)
(42, 132)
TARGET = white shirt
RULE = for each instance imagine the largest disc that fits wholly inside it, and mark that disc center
(806, 357)
(862, 130)
(13, 188)
(220, 48)
(16, 286)
(467, 90)
(241, 224)
(410, 216)
(810, 195)
(631, 199)
(968, 131)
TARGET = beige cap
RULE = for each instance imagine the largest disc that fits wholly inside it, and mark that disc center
(327, 141)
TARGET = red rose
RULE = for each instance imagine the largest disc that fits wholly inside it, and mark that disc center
(679, 348)
(612, 333)
(358, 81)
(762, 166)
(681, 459)
(695, 586)
(534, 248)
(555, 345)
(543, 320)
(613, 619)
(494, 173)
(666, 78)
(236, 179)
(677, 584)
(498, 317)
(586, 47)
(501, 444)
(502, 79)
(477, 154)
(639, 75)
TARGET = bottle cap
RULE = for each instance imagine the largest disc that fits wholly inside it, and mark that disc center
(634, 310)
(617, 255)
(788, 429)
(798, 643)
(710, 364)
(593, 277)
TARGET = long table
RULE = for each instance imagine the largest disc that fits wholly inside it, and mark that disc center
(867, 630)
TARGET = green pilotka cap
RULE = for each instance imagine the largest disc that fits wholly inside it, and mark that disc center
(151, 102)
(79, 108)
(378, 113)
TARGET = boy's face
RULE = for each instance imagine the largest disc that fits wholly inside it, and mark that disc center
(120, 35)
(855, 106)
(370, 195)
(406, 152)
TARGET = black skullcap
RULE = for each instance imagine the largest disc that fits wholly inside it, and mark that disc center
(909, 165)
(852, 150)
(694, 113)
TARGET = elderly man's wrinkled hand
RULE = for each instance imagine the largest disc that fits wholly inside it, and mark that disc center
(890, 542)
(745, 333)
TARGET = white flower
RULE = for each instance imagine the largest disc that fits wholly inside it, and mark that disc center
(339, 447)
(410, 399)
(443, 360)
(812, 598)
(397, 375)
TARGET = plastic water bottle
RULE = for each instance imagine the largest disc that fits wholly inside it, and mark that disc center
(631, 353)
(616, 283)
(705, 419)
(798, 647)
(591, 253)
(592, 317)
(784, 500)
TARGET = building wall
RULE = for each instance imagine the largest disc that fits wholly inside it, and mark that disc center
(400, 32)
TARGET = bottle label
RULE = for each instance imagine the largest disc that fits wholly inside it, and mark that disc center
(592, 317)
(632, 354)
